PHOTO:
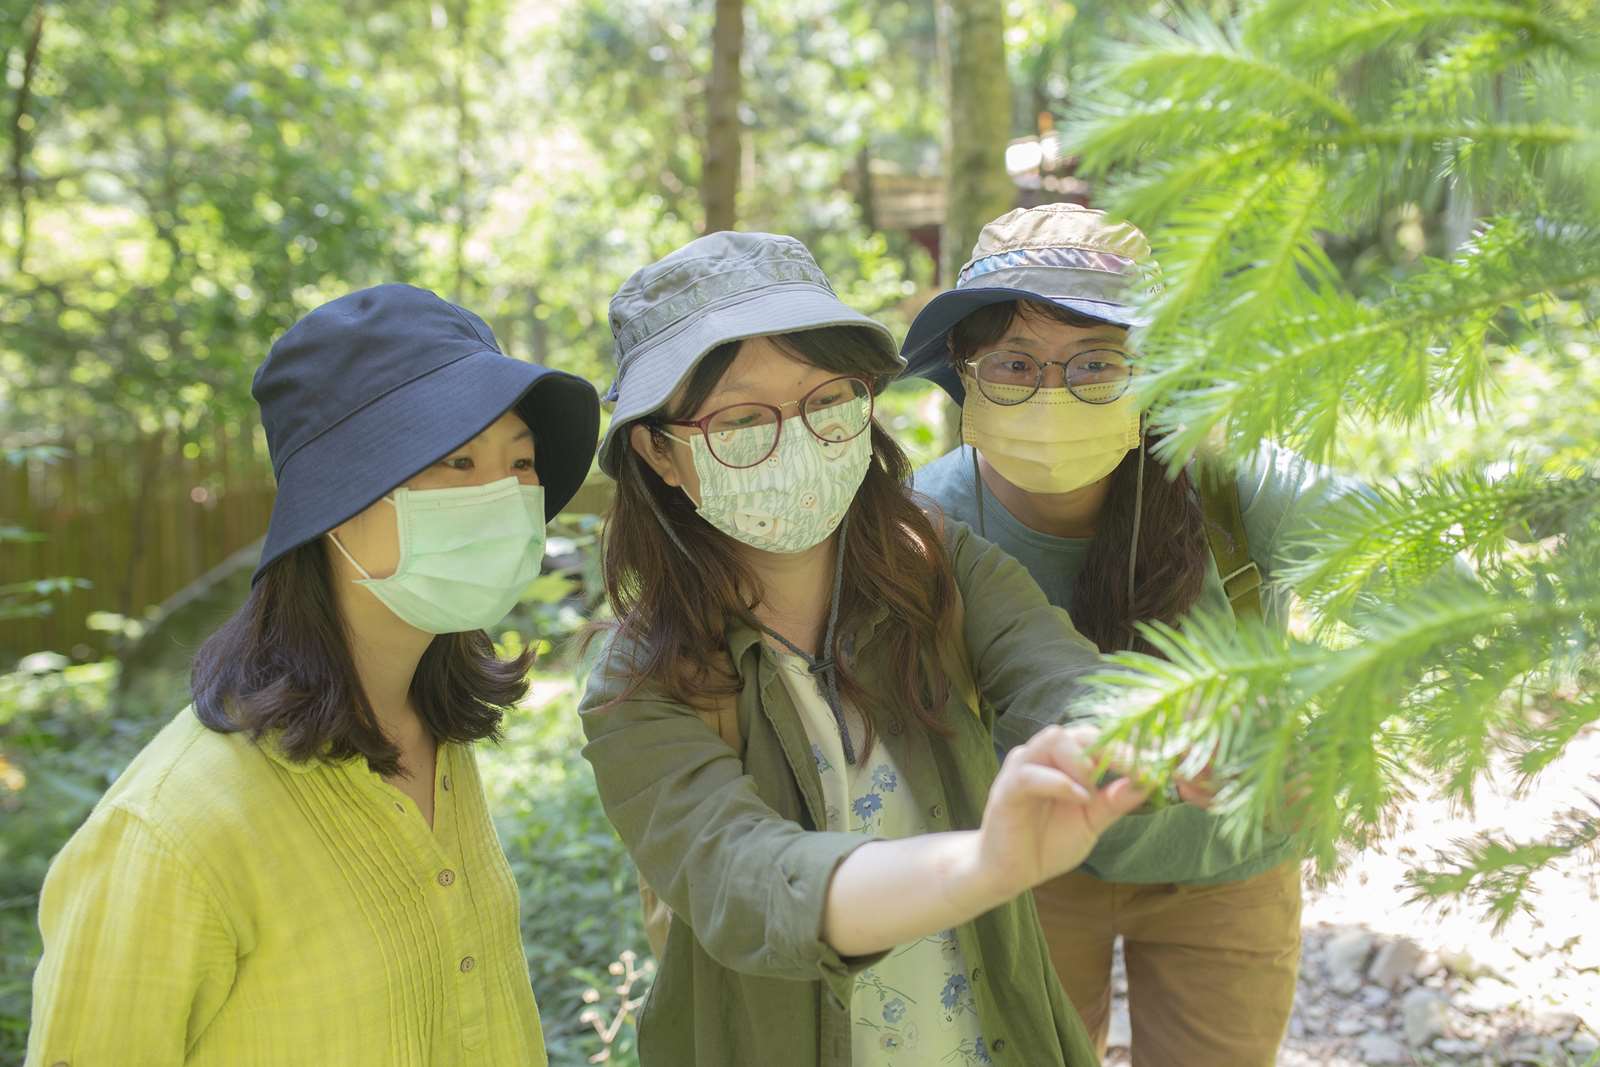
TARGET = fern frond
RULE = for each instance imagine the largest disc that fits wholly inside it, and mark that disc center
(1294, 379)
(1202, 238)
(1149, 193)
(1198, 57)
(1345, 30)
(1313, 736)
(1497, 872)
(1405, 534)
(1539, 744)
(1115, 128)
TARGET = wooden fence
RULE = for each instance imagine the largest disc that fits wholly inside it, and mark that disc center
(139, 520)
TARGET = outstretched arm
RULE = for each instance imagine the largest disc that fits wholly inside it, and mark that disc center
(1043, 815)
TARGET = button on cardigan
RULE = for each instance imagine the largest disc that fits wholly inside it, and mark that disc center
(224, 905)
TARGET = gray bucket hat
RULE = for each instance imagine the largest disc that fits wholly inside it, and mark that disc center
(723, 287)
(1067, 254)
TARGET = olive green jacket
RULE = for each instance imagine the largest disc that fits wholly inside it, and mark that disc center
(735, 851)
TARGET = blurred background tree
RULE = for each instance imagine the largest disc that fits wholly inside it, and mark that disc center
(1377, 223)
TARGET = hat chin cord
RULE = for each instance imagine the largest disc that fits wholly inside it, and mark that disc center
(655, 509)
(1138, 514)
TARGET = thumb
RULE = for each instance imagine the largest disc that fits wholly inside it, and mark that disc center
(1112, 803)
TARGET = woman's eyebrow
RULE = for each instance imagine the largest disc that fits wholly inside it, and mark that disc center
(525, 435)
(734, 385)
(1030, 343)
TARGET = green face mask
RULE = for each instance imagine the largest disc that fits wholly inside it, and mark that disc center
(466, 554)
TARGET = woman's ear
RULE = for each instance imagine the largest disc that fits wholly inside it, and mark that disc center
(655, 448)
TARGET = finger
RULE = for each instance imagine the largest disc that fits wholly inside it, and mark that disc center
(1118, 756)
(1037, 781)
(1112, 803)
(1197, 793)
(1060, 748)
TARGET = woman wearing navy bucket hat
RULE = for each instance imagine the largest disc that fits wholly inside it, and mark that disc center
(791, 722)
(300, 868)
(1034, 344)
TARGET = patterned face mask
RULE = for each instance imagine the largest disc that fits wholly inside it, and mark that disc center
(790, 501)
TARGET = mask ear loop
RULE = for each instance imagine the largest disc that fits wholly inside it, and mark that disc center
(346, 553)
(1138, 514)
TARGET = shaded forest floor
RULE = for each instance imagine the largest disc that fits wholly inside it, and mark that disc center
(1386, 981)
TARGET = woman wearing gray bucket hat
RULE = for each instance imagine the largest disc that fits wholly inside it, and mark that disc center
(301, 868)
(791, 724)
(1033, 342)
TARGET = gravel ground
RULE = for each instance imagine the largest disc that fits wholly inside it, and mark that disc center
(1384, 981)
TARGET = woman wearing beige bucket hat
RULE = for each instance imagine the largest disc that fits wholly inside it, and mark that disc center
(1033, 342)
(783, 724)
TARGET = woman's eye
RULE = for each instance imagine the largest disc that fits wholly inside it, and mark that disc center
(459, 463)
(523, 464)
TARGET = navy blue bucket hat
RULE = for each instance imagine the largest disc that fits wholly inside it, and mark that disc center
(1072, 256)
(369, 389)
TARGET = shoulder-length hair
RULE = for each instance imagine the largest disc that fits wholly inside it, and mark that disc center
(1172, 541)
(282, 665)
(675, 604)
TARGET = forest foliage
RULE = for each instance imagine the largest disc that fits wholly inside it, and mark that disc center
(1377, 228)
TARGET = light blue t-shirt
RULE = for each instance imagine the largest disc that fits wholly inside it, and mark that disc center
(1179, 844)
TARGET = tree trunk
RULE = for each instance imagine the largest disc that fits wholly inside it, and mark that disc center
(464, 135)
(977, 187)
(719, 175)
(21, 126)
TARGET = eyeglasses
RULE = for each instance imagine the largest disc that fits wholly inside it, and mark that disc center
(1097, 376)
(743, 435)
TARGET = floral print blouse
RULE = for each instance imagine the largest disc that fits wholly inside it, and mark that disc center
(915, 1006)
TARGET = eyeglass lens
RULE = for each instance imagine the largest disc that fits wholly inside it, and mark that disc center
(743, 435)
(1098, 376)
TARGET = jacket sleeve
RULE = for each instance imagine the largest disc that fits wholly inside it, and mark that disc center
(137, 957)
(750, 883)
(1028, 660)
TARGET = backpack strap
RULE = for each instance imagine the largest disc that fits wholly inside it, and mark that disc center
(1230, 545)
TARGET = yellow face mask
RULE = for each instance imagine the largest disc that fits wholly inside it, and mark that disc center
(1052, 442)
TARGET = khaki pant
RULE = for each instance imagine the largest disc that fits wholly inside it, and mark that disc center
(1211, 969)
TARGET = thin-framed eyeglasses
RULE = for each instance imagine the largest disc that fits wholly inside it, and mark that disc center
(743, 435)
(1008, 377)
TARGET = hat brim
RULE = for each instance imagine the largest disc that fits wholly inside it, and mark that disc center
(928, 356)
(655, 372)
(361, 459)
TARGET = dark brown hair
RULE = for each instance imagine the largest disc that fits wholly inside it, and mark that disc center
(1172, 537)
(892, 558)
(282, 664)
